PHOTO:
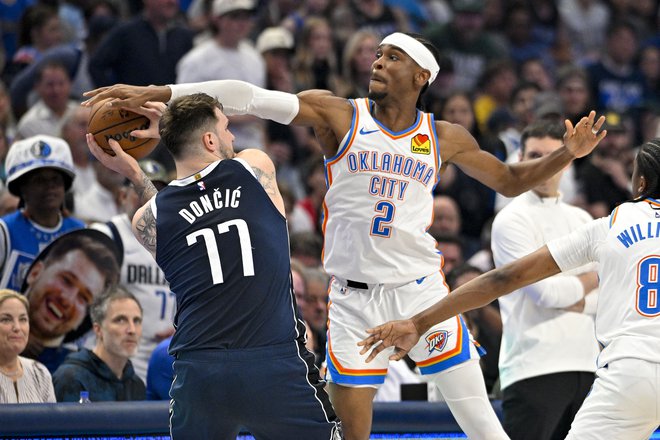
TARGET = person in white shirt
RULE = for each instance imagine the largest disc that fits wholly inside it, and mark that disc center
(624, 397)
(549, 349)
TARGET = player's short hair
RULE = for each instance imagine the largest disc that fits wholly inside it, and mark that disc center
(186, 118)
(98, 310)
(541, 129)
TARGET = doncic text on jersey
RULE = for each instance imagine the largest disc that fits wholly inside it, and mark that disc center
(227, 198)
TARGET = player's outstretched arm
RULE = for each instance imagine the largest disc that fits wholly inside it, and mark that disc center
(128, 96)
(513, 179)
(403, 335)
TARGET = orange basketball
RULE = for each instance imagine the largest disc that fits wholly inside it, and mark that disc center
(107, 123)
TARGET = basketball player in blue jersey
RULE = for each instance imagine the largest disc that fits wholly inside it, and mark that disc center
(383, 159)
(219, 234)
(625, 396)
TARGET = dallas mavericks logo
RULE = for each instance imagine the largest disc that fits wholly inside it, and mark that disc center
(436, 341)
(41, 149)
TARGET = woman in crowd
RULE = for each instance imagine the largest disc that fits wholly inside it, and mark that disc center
(22, 380)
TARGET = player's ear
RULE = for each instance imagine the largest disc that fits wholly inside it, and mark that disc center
(209, 141)
(422, 77)
(642, 184)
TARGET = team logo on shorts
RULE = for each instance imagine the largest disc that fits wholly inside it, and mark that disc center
(420, 144)
(436, 341)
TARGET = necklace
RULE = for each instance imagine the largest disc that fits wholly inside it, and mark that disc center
(11, 373)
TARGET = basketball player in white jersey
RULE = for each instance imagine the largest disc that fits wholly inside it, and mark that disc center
(383, 158)
(623, 402)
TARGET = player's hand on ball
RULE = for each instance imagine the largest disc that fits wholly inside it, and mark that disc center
(121, 162)
(153, 111)
(402, 335)
(127, 96)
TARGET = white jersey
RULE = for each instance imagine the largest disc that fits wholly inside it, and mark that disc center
(627, 245)
(141, 276)
(379, 202)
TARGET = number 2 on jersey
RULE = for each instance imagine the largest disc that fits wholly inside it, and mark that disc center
(648, 286)
(380, 223)
(214, 253)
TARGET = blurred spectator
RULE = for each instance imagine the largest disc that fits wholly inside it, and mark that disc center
(8, 201)
(106, 372)
(485, 326)
(379, 17)
(39, 30)
(53, 86)
(22, 380)
(295, 21)
(494, 90)
(575, 93)
(446, 216)
(464, 39)
(160, 372)
(306, 247)
(229, 55)
(275, 44)
(616, 82)
(75, 57)
(39, 172)
(299, 285)
(74, 128)
(548, 351)
(451, 248)
(518, 28)
(100, 201)
(649, 64)
(357, 62)
(315, 63)
(522, 109)
(586, 23)
(144, 50)
(476, 200)
(60, 285)
(140, 273)
(605, 177)
(314, 307)
(4, 148)
(307, 214)
(10, 14)
(535, 71)
(7, 115)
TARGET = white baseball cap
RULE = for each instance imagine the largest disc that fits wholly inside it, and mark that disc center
(276, 37)
(36, 152)
(222, 7)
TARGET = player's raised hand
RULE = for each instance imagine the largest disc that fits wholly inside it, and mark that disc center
(583, 138)
(121, 162)
(127, 96)
(402, 335)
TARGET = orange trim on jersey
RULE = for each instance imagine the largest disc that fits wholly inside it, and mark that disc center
(351, 371)
(653, 202)
(444, 356)
(325, 222)
(434, 144)
(383, 129)
(353, 130)
(613, 215)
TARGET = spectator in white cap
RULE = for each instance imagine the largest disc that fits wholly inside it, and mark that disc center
(229, 55)
(39, 172)
(276, 46)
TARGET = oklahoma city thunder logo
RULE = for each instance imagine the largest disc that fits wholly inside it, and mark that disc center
(420, 144)
(436, 341)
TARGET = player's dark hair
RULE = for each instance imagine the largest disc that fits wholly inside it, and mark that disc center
(185, 117)
(541, 129)
(98, 310)
(648, 165)
(436, 54)
(98, 253)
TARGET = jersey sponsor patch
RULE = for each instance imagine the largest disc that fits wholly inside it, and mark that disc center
(420, 144)
(436, 341)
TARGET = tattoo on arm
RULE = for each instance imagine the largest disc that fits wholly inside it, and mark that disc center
(146, 230)
(267, 180)
(145, 189)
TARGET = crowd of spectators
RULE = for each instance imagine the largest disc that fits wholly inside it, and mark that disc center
(504, 64)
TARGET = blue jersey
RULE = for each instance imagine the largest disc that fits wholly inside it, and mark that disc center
(22, 241)
(224, 248)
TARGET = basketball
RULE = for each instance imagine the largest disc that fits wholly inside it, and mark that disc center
(107, 123)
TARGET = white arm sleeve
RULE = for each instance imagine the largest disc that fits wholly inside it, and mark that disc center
(242, 98)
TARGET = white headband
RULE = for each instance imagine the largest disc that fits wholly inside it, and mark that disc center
(415, 50)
